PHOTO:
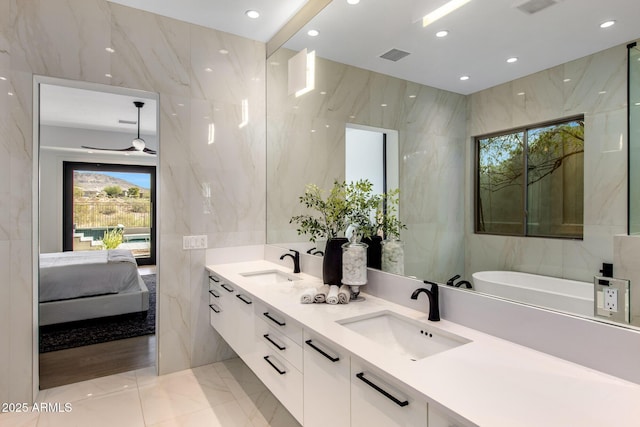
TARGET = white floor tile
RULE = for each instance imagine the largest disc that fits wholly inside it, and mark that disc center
(19, 419)
(91, 388)
(120, 409)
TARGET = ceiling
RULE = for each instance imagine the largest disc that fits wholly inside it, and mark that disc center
(482, 34)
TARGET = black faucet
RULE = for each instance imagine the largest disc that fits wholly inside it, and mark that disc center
(317, 252)
(453, 279)
(296, 259)
(434, 309)
(463, 282)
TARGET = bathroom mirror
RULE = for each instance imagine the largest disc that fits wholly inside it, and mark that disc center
(436, 123)
(634, 138)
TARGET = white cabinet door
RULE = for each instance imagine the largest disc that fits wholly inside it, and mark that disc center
(379, 401)
(326, 383)
(217, 311)
(241, 322)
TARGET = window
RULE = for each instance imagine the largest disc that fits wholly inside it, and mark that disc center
(549, 159)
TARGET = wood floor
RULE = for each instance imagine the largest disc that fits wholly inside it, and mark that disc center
(98, 360)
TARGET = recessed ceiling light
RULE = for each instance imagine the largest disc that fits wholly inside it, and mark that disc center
(3, 78)
(10, 93)
(607, 24)
(253, 14)
(223, 51)
(463, 78)
(208, 70)
(512, 60)
(520, 93)
(443, 33)
(566, 80)
(353, 1)
(327, 126)
(313, 130)
(313, 33)
(412, 96)
(109, 49)
(602, 92)
(108, 75)
(383, 105)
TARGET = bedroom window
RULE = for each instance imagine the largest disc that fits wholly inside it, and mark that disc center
(530, 181)
(109, 206)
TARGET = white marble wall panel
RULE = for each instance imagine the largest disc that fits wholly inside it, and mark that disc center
(67, 39)
(151, 51)
(596, 87)
(64, 38)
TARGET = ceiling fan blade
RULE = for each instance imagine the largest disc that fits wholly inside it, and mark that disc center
(149, 151)
(109, 149)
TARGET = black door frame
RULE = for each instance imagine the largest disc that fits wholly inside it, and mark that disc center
(67, 200)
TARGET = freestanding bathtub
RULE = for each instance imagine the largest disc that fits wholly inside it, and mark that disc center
(544, 291)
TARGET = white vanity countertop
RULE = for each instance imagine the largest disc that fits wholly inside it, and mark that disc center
(488, 382)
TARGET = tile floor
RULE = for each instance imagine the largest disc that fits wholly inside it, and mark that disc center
(224, 394)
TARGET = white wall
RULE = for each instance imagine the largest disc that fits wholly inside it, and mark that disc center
(67, 39)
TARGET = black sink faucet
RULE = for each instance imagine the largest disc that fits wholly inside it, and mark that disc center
(296, 259)
(434, 307)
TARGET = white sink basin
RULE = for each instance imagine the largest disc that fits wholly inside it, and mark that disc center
(410, 338)
(268, 277)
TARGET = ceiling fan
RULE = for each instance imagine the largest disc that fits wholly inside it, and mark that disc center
(138, 143)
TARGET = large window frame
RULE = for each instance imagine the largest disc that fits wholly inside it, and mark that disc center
(525, 231)
(67, 200)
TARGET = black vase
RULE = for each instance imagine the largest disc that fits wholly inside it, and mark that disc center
(332, 261)
(374, 251)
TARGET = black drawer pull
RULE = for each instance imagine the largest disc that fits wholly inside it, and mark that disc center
(276, 321)
(381, 391)
(281, 348)
(213, 307)
(214, 278)
(213, 293)
(319, 350)
(240, 297)
(224, 286)
(274, 366)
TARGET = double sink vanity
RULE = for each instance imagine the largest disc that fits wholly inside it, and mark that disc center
(377, 363)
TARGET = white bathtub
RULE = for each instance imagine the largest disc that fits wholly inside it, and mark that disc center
(544, 291)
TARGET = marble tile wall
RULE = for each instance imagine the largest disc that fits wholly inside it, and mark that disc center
(596, 87)
(306, 144)
(67, 39)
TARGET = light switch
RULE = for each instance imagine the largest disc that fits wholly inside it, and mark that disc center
(194, 242)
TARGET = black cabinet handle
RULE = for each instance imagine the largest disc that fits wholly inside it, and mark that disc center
(213, 293)
(281, 348)
(213, 307)
(274, 366)
(276, 321)
(382, 391)
(224, 286)
(322, 352)
(214, 278)
(240, 297)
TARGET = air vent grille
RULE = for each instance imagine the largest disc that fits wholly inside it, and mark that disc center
(533, 6)
(394, 55)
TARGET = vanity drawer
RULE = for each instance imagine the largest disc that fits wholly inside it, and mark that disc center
(280, 377)
(279, 343)
(279, 322)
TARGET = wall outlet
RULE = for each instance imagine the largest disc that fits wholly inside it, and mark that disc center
(194, 242)
(611, 299)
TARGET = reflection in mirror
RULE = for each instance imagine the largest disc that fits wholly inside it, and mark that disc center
(436, 127)
(96, 225)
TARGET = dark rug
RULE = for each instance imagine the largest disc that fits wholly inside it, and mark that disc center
(104, 329)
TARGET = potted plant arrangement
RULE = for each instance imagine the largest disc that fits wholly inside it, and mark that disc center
(390, 226)
(344, 205)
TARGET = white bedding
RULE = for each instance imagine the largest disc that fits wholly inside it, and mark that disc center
(66, 275)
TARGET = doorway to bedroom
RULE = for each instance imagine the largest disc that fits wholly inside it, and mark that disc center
(98, 154)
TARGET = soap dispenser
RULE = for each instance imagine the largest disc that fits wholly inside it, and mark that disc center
(611, 296)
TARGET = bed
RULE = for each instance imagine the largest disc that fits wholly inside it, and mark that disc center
(89, 284)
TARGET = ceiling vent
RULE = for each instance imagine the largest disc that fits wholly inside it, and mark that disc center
(534, 6)
(394, 55)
